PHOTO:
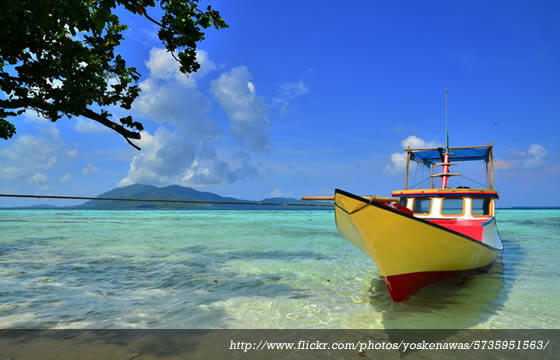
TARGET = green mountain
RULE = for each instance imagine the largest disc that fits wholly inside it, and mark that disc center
(176, 192)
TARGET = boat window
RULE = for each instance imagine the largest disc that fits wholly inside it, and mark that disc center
(422, 205)
(403, 201)
(481, 206)
(452, 206)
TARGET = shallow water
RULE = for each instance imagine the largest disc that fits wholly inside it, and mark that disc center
(252, 269)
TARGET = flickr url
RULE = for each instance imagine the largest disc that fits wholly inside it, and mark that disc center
(265, 345)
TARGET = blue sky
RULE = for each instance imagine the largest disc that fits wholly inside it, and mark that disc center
(299, 98)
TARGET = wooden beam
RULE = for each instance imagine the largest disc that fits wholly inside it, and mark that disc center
(445, 174)
(367, 197)
(315, 198)
(406, 172)
(487, 174)
(445, 164)
(431, 176)
(491, 159)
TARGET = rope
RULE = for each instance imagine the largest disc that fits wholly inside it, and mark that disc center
(418, 183)
(474, 181)
(415, 174)
(164, 201)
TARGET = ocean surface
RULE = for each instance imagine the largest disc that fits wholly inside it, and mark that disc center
(252, 269)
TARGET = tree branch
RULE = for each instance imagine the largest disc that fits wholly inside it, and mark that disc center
(127, 134)
(145, 13)
(90, 114)
(152, 20)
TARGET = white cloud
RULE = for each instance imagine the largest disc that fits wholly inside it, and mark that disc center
(64, 178)
(37, 178)
(276, 193)
(27, 154)
(167, 158)
(398, 160)
(89, 169)
(252, 88)
(72, 153)
(45, 187)
(417, 143)
(164, 67)
(535, 156)
(170, 102)
(31, 116)
(90, 127)
(397, 166)
(247, 112)
(500, 164)
(182, 149)
(289, 91)
(167, 98)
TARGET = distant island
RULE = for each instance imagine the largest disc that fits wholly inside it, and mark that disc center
(175, 192)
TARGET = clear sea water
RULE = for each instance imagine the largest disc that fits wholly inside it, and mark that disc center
(252, 269)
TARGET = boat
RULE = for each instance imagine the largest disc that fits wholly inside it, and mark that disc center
(419, 236)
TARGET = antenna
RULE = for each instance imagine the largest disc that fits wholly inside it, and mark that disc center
(445, 164)
(446, 128)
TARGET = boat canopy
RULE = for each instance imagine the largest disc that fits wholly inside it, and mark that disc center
(430, 156)
(446, 157)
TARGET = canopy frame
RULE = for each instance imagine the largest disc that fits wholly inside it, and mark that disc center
(442, 156)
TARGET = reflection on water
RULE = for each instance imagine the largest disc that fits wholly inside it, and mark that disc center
(461, 301)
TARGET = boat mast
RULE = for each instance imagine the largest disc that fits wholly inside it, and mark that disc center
(445, 164)
(446, 122)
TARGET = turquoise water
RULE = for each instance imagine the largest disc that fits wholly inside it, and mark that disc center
(252, 269)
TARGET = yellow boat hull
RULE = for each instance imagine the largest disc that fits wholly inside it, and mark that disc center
(410, 252)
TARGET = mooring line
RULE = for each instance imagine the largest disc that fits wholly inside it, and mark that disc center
(163, 201)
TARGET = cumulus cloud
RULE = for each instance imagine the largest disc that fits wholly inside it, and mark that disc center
(37, 178)
(534, 157)
(182, 149)
(289, 91)
(31, 116)
(90, 127)
(171, 102)
(170, 97)
(500, 164)
(247, 112)
(277, 193)
(398, 160)
(164, 67)
(166, 158)
(64, 178)
(27, 154)
(72, 153)
(89, 169)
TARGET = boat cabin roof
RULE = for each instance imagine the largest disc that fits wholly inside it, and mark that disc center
(445, 158)
(450, 192)
(435, 155)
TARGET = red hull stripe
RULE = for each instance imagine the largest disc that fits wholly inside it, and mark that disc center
(403, 285)
(471, 228)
